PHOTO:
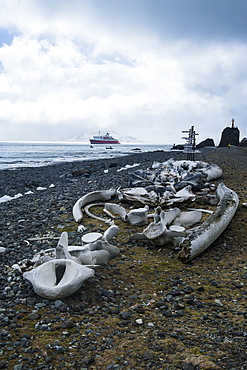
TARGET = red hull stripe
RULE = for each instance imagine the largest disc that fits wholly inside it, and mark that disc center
(104, 142)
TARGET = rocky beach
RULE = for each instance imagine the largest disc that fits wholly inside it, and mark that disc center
(144, 309)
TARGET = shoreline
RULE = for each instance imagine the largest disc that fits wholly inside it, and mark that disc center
(27, 178)
(24, 179)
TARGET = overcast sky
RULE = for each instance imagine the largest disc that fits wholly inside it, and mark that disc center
(145, 68)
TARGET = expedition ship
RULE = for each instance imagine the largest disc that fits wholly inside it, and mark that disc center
(106, 139)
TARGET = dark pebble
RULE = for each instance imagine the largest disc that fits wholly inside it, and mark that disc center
(3, 364)
(68, 324)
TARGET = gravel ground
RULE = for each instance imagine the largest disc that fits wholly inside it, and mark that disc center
(144, 309)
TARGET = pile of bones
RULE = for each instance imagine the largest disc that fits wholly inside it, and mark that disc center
(158, 193)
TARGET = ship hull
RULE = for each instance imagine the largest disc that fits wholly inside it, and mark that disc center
(95, 141)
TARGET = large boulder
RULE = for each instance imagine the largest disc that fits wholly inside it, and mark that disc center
(230, 135)
(244, 142)
(205, 143)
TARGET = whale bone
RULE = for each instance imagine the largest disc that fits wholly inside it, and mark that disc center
(116, 208)
(138, 216)
(187, 219)
(102, 244)
(90, 237)
(58, 278)
(110, 232)
(205, 234)
(99, 195)
(159, 233)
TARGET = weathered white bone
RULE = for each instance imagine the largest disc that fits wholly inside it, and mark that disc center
(212, 228)
(81, 255)
(89, 214)
(94, 236)
(189, 218)
(158, 232)
(201, 210)
(100, 195)
(150, 198)
(116, 208)
(90, 254)
(189, 172)
(102, 244)
(138, 216)
(169, 216)
(110, 232)
(108, 213)
(185, 193)
(90, 238)
(62, 246)
(213, 171)
(101, 256)
(58, 278)
(136, 191)
(84, 256)
(176, 230)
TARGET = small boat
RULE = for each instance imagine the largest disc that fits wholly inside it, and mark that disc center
(106, 139)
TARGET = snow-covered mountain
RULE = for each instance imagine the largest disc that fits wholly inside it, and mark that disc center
(83, 137)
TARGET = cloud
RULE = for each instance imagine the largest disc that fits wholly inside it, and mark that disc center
(147, 68)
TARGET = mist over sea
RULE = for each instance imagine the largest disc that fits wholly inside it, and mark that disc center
(14, 155)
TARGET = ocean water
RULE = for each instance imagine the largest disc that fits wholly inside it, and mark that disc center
(14, 155)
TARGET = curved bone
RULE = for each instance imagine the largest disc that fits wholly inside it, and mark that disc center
(89, 214)
(108, 213)
(119, 210)
(100, 195)
(210, 230)
(58, 278)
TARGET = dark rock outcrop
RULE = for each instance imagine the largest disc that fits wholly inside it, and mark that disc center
(205, 143)
(243, 142)
(178, 147)
(230, 135)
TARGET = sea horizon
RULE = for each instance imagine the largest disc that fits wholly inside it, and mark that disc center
(77, 142)
(20, 154)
